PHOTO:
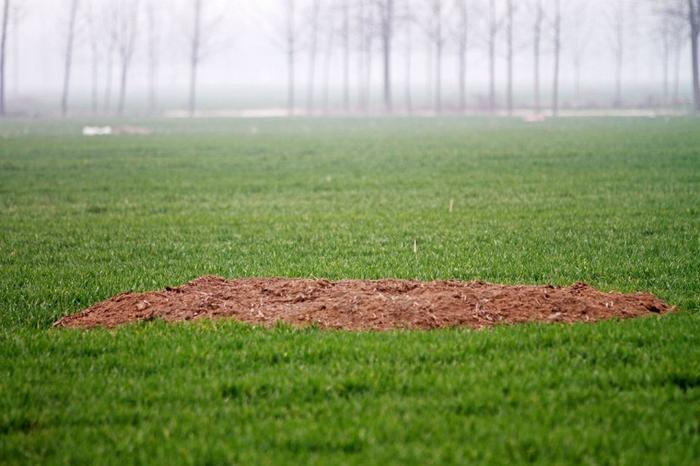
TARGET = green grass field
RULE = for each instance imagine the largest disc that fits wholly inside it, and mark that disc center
(613, 202)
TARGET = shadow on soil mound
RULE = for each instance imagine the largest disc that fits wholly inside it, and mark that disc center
(363, 305)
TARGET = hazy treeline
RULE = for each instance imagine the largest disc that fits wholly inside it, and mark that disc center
(367, 55)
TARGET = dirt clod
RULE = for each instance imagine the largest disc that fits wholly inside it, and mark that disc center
(367, 304)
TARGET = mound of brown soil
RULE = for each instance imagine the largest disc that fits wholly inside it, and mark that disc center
(367, 305)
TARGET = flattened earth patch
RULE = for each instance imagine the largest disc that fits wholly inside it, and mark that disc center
(368, 305)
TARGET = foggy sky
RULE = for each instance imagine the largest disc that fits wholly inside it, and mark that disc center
(246, 53)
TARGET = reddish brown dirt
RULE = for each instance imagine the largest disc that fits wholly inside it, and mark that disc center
(367, 305)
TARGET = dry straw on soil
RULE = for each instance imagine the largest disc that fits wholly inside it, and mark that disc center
(367, 305)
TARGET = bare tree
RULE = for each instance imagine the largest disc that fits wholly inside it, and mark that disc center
(314, 16)
(665, 34)
(106, 32)
(408, 54)
(291, 51)
(493, 29)
(195, 52)
(3, 54)
(369, 58)
(579, 39)
(68, 54)
(462, 35)
(366, 25)
(126, 23)
(109, 49)
(694, 27)
(203, 29)
(153, 55)
(331, 33)
(537, 52)
(359, 23)
(17, 13)
(510, 13)
(429, 71)
(679, 42)
(688, 11)
(670, 30)
(556, 26)
(618, 23)
(436, 33)
(386, 34)
(94, 33)
(346, 54)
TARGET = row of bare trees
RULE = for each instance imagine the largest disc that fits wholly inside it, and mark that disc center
(114, 30)
(357, 33)
(461, 26)
(111, 31)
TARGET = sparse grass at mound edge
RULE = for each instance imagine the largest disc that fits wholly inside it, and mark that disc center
(218, 392)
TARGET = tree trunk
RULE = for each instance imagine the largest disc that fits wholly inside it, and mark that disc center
(94, 59)
(619, 57)
(537, 41)
(429, 90)
(361, 64)
(666, 44)
(437, 12)
(14, 27)
(619, 49)
(152, 60)
(493, 29)
(694, 20)
(68, 59)
(291, 51)
(122, 86)
(509, 39)
(194, 57)
(462, 77)
(368, 71)
(618, 78)
(365, 20)
(577, 80)
(313, 48)
(109, 74)
(126, 40)
(387, 36)
(696, 77)
(291, 83)
(676, 72)
(557, 54)
(327, 66)
(3, 54)
(346, 56)
(408, 51)
(462, 51)
(94, 72)
(438, 78)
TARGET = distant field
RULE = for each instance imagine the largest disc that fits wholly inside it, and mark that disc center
(612, 202)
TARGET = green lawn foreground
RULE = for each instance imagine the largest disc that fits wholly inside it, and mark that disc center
(612, 202)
